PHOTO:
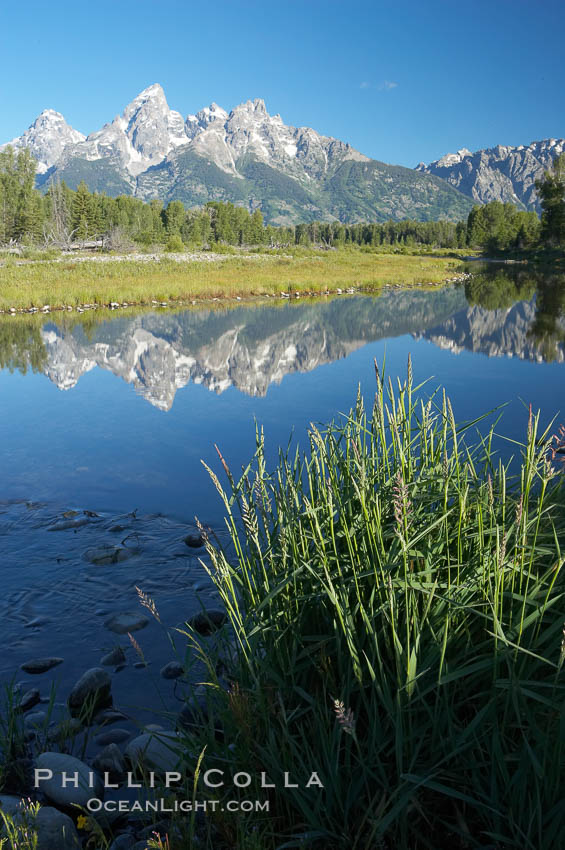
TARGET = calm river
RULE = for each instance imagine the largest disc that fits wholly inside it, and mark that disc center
(112, 415)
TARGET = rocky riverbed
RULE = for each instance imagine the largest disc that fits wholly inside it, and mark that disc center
(97, 673)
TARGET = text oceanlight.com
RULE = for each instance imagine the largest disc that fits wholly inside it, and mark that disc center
(95, 804)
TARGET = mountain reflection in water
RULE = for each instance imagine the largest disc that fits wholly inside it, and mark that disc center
(282, 365)
(497, 313)
(96, 471)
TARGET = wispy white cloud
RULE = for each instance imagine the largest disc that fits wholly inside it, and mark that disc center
(365, 85)
(388, 85)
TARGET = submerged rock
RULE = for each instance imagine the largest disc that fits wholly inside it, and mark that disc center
(112, 736)
(37, 622)
(65, 730)
(172, 670)
(194, 541)
(63, 525)
(29, 699)
(114, 657)
(40, 665)
(64, 793)
(111, 761)
(92, 691)
(108, 554)
(121, 624)
(108, 716)
(35, 720)
(208, 621)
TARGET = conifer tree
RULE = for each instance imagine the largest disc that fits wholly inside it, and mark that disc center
(174, 218)
(157, 228)
(17, 195)
(82, 213)
(551, 191)
(256, 233)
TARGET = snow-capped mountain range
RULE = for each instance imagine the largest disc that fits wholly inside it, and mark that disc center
(250, 157)
(503, 173)
(246, 156)
(148, 131)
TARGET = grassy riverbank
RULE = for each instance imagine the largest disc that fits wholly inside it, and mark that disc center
(105, 279)
(397, 602)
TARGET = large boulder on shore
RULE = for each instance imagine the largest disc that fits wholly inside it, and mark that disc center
(155, 750)
(55, 830)
(66, 772)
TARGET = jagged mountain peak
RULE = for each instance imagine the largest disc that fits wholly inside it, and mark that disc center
(141, 137)
(255, 105)
(505, 173)
(47, 138)
(154, 90)
(206, 116)
(152, 99)
(451, 158)
(214, 110)
(48, 115)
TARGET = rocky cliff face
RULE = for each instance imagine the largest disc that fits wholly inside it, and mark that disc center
(503, 173)
(245, 156)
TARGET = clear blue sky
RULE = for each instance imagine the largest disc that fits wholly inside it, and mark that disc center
(401, 81)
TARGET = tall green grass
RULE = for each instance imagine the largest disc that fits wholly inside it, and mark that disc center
(397, 599)
(71, 282)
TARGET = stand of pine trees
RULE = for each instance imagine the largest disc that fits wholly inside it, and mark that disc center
(64, 217)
